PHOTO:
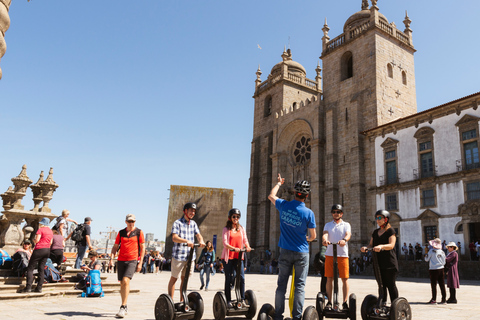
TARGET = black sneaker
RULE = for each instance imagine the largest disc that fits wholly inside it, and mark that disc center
(201, 287)
(345, 306)
(328, 306)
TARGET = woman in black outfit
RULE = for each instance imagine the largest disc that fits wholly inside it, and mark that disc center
(383, 242)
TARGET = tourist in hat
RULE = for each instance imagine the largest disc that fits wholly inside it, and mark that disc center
(436, 260)
(453, 282)
(43, 240)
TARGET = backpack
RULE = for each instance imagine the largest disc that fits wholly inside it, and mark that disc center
(57, 224)
(93, 285)
(77, 234)
(51, 273)
(20, 263)
(5, 260)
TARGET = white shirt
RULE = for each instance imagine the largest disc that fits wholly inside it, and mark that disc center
(336, 232)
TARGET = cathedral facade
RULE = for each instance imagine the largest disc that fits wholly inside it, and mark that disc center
(326, 130)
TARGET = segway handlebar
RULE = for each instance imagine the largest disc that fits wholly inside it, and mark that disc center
(195, 245)
(242, 250)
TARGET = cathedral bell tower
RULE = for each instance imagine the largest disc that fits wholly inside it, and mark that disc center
(368, 80)
(285, 140)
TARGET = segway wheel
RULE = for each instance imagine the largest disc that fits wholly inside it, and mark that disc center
(310, 313)
(195, 302)
(320, 305)
(367, 306)
(164, 308)
(267, 312)
(352, 307)
(251, 300)
(219, 306)
(400, 309)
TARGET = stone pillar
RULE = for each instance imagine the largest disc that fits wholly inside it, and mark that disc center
(21, 183)
(37, 193)
(48, 188)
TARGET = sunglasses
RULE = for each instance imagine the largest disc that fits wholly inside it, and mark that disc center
(131, 221)
(379, 218)
(336, 211)
(235, 217)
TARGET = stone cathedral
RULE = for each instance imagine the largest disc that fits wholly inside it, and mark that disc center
(312, 129)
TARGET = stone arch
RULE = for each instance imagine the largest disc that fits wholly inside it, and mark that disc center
(346, 65)
(389, 70)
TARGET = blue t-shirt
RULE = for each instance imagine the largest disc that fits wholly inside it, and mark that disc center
(295, 220)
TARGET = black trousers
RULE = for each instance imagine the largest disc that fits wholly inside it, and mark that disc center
(437, 276)
(39, 256)
(57, 256)
(389, 276)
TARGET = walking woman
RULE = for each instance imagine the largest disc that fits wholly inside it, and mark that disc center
(43, 240)
(234, 238)
(453, 282)
(436, 260)
(383, 243)
(205, 263)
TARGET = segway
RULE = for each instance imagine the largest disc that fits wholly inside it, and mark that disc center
(221, 308)
(375, 308)
(190, 308)
(335, 311)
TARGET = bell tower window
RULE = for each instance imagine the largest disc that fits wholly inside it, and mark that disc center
(346, 66)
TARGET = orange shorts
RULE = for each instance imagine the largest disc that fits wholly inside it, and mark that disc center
(343, 270)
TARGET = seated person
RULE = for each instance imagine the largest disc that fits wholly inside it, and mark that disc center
(93, 265)
(26, 247)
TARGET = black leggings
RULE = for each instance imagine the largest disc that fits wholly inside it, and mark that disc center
(437, 276)
(39, 256)
(388, 279)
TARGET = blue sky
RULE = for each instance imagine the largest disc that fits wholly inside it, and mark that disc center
(124, 99)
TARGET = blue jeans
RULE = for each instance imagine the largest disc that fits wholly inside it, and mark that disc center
(205, 270)
(286, 261)
(80, 255)
(229, 279)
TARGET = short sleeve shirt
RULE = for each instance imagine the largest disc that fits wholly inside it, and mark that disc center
(295, 220)
(129, 246)
(386, 259)
(186, 231)
(46, 237)
(86, 232)
(336, 232)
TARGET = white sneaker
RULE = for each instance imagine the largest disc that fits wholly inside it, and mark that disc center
(122, 312)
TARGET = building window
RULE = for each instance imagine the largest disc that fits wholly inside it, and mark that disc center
(268, 106)
(390, 157)
(430, 233)
(390, 70)
(473, 190)
(425, 152)
(428, 198)
(404, 77)
(391, 202)
(346, 66)
(302, 151)
(470, 149)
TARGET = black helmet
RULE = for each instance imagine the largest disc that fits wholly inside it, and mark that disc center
(234, 211)
(302, 187)
(383, 213)
(190, 205)
(337, 207)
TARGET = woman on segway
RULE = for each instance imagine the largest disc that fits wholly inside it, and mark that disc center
(234, 238)
(383, 242)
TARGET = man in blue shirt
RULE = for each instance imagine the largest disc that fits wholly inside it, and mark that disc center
(297, 228)
(184, 230)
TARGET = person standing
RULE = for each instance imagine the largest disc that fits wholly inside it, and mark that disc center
(184, 230)
(383, 243)
(453, 281)
(297, 228)
(131, 242)
(205, 264)
(337, 231)
(436, 261)
(82, 244)
(405, 250)
(43, 241)
(234, 238)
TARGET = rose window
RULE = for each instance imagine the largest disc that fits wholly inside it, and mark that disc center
(302, 151)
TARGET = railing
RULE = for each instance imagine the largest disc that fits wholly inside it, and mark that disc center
(291, 76)
(402, 36)
(385, 27)
(359, 30)
(294, 77)
(384, 180)
(310, 83)
(424, 174)
(467, 166)
(336, 42)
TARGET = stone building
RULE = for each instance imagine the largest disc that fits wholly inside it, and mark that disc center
(211, 216)
(306, 129)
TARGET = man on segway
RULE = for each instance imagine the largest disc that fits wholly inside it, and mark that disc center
(184, 230)
(337, 231)
(297, 228)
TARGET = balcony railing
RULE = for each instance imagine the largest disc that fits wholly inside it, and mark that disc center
(386, 180)
(424, 174)
(466, 166)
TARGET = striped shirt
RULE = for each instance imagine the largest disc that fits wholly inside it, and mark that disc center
(185, 230)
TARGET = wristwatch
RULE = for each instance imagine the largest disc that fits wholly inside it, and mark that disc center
(345, 240)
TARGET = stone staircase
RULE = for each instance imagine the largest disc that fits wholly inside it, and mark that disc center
(10, 286)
